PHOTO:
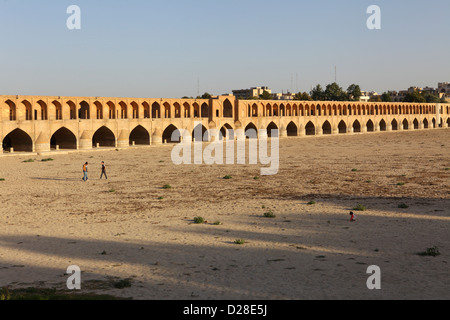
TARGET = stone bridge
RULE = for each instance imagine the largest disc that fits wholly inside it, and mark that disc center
(44, 123)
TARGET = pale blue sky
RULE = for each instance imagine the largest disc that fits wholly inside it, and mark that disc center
(145, 48)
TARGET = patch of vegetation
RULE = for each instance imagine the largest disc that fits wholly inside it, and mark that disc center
(34, 294)
(430, 252)
(161, 198)
(369, 181)
(401, 184)
(199, 220)
(447, 169)
(122, 284)
(47, 160)
(239, 241)
(2, 179)
(103, 253)
(255, 178)
(29, 160)
(403, 206)
(354, 170)
(167, 186)
(217, 223)
(360, 207)
(228, 177)
(112, 190)
(311, 203)
(269, 214)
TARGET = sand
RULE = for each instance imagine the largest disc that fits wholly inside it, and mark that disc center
(129, 227)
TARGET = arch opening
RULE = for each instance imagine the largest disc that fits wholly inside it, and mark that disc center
(64, 139)
(140, 136)
(356, 126)
(200, 133)
(19, 140)
(104, 137)
(383, 125)
(251, 131)
(370, 126)
(275, 133)
(326, 128)
(227, 109)
(310, 129)
(167, 134)
(342, 127)
(405, 124)
(292, 130)
(227, 132)
(394, 125)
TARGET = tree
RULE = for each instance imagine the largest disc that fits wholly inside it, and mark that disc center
(376, 99)
(414, 97)
(386, 97)
(354, 92)
(431, 98)
(302, 96)
(206, 95)
(334, 92)
(266, 95)
(317, 93)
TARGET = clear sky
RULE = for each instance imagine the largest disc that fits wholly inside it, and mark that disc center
(146, 48)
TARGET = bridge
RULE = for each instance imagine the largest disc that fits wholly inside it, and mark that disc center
(44, 123)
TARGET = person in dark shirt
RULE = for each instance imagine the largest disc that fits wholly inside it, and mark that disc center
(103, 171)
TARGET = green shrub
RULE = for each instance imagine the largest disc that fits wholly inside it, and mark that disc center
(228, 177)
(239, 241)
(311, 203)
(47, 160)
(360, 207)
(432, 252)
(167, 186)
(269, 214)
(403, 206)
(122, 284)
(199, 220)
(29, 160)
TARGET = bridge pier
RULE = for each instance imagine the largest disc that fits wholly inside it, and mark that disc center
(123, 141)
(42, 144)
(157, 137)
(85, 141)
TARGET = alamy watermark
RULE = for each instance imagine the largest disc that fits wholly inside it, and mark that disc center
(374, 281)
(374, 21)
(235, 150)
(74, 20)
(74, 280)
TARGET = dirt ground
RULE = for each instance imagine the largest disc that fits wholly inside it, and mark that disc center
(130, 227)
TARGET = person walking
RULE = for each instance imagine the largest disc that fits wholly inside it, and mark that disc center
(85, 172)
(103, 171)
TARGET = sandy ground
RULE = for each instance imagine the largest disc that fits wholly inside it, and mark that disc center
(121, 228)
